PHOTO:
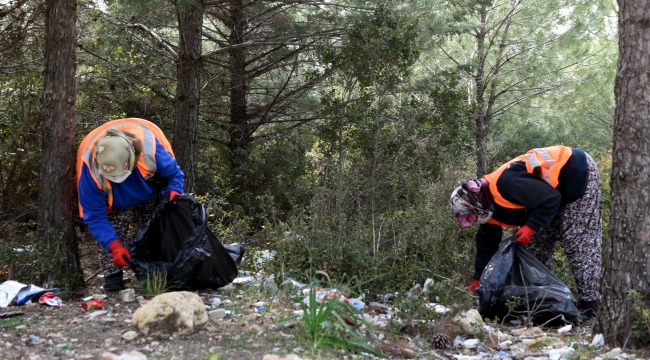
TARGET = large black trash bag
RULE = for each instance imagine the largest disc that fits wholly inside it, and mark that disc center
(514, 272)
(176, 240)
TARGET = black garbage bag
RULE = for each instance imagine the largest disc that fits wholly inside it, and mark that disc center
(515, 283)
(177, 241)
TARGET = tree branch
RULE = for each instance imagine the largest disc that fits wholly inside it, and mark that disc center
(156, 37)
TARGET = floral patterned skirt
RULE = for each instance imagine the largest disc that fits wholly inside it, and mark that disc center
(578, 229)
(123, 220)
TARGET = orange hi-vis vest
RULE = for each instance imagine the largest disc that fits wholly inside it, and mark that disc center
(548, 162)
(146, 131)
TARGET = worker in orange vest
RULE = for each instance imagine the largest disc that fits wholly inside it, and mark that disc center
(124, 168)
(553, 195)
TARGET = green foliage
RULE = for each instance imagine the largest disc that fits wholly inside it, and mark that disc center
(640, 316)
(153, 283)
(379, 49)
(327, 324)
(30, 261)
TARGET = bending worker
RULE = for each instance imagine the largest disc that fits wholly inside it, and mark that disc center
(124, 167)
(553, 195)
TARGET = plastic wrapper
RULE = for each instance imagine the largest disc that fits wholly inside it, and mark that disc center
(515, 273)
(177, 241)
(96, 304)
(50, 299)
(324, 294)
(15, 293)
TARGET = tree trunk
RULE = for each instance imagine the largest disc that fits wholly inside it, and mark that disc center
(238, 129)
(627, 253)
(57, 184)
(188, 87)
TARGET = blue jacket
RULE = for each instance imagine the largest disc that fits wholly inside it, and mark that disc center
(134, 191)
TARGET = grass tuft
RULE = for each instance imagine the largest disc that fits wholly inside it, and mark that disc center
(154, 283)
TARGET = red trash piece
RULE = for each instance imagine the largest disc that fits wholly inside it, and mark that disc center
(49, 298)
(93, 304)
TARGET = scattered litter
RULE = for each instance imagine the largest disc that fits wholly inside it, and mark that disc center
(33, 337)
(440, 309)
(565, 329)
(357, 303)
(505, 345)
(296, 285)
(215, 302)
(92, 305)
(127, 355)
(323, 294)
(99, 296)
(15, 293)
(50, 299)
(470, 343)
(556, 354)
(599, 340)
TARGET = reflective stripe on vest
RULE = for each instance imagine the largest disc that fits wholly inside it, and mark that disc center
(144, 130)
(548, 160)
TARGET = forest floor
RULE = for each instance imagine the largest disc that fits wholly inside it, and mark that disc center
(68, 332)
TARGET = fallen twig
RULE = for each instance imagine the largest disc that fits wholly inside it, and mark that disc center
(11, 314)
(93, 275)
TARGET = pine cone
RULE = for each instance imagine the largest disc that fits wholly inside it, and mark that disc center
(440, 341)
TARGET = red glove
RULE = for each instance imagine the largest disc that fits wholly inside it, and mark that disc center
(172, 194)
(524, 234)
(119, 253)
(472, 288)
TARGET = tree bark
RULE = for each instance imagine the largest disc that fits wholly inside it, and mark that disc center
(238, 130)
(57, 184)
(188, 87)
(627, 253)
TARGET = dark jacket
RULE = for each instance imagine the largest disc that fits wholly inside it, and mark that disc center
(542, 202)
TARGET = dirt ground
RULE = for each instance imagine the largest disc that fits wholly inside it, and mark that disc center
(68, 332)
(45, 332)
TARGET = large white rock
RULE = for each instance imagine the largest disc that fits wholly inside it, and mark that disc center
(471, 321)
(173, 313)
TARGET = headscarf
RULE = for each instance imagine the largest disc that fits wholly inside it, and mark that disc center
(470, 203)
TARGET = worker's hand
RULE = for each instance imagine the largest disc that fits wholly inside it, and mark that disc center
(524, 234)
(120, 253)
(472, 287)
(172, 194)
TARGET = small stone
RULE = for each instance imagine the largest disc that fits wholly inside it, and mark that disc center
(217, 314)
(20, 327)
(126, 295)
(129, 335)
(470, 321)
(94, 315)
(107, 319)
(612, 354)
